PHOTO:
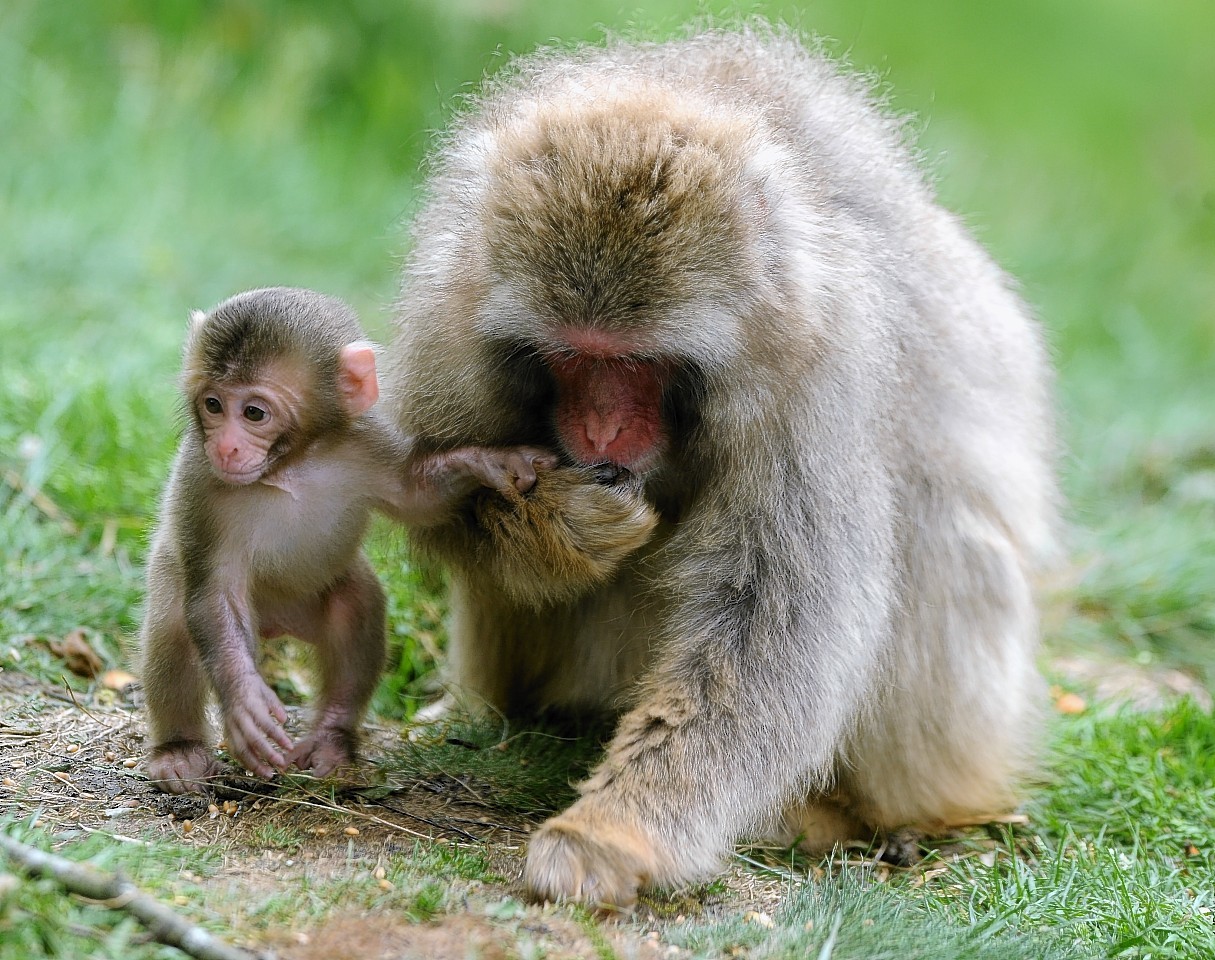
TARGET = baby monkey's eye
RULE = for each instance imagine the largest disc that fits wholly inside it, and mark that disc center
(255, 414)
(213, 405)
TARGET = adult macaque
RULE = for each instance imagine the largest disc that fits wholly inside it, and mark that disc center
(281, 464)
(715, 264)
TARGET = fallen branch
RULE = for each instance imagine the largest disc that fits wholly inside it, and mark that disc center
(119, 894)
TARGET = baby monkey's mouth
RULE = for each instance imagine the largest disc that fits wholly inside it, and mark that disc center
(240, 478)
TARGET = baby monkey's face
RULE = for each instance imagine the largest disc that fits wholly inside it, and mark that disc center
(242, 425)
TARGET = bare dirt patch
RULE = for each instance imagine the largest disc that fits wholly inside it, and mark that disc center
(459, 936)
(377, 865)
(307, 869)
(1117, 683)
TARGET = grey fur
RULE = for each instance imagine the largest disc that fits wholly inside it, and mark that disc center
(834, 629)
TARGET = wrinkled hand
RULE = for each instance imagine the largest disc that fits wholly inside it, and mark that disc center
(509, 470)
(253, 721)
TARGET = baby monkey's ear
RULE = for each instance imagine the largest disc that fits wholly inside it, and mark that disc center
(358, 386)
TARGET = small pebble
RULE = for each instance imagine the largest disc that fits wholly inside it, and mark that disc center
(1071, 704)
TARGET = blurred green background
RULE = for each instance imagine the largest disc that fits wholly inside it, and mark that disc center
(156, 157)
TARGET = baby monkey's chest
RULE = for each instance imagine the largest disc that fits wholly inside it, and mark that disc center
(295, 542)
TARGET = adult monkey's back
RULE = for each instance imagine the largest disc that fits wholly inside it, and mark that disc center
(714, 263)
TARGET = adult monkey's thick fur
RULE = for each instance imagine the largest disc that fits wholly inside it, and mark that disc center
(832, 397)
(570, 532)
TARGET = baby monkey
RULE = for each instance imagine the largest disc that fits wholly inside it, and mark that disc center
(281, 463)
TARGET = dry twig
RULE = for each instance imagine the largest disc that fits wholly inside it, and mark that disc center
(115, 892)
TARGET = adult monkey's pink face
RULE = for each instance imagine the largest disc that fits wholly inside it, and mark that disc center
(609, 400)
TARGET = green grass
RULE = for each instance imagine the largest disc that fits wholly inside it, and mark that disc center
(852, 919)
(39, 921)
(530, 771)
(1125, 841)
(158, 157)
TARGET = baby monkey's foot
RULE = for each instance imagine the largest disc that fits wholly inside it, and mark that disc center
(182, 766)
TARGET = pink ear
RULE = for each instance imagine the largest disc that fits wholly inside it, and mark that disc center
(357, 384)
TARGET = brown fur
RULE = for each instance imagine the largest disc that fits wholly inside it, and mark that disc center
(272, 546)
(569, 533)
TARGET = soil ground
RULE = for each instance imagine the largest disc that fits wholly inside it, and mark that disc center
(75, 764)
